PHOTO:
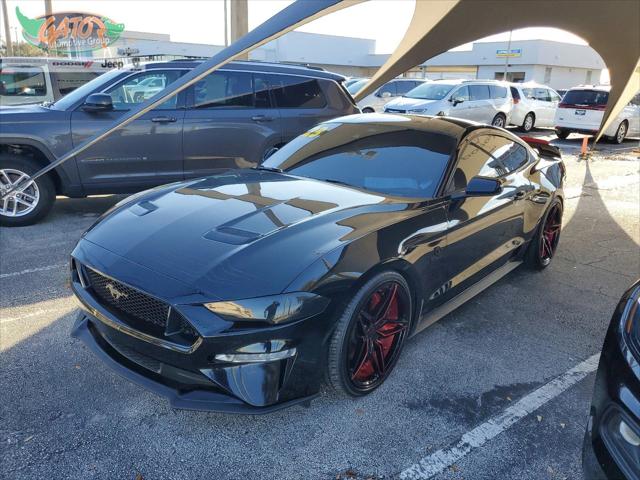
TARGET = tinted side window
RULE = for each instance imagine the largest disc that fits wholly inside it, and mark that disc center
(514, 93)
(487, 156)
(22, 82)
(389, 87)
(224, 89)
(297, 92)
(479, 92)
(497, 91)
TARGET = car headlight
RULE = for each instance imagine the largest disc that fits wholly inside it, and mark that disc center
(275, 309)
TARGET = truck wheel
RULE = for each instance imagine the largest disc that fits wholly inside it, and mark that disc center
(33, 201)
(562, 134)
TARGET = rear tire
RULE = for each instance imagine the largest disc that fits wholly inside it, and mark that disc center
(620, 135)
(528, 122)
(500, 120)
(562, 134)
(544, 243)
(40, 196)
(361, 329)
(368, 110)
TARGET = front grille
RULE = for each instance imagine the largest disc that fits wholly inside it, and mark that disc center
(137, 309)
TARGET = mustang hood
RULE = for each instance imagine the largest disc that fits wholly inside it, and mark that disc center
(246, 231)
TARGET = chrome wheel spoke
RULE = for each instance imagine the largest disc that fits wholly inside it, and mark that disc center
(21, 201)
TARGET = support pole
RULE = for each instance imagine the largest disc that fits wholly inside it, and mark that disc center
(239, 21)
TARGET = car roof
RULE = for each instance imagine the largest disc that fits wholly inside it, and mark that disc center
(252, 66)
(602, 88)
(452, 127)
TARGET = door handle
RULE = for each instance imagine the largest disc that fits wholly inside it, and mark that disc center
(164, 119)
(261, 118)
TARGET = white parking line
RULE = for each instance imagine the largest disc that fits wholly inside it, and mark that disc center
(32, 270)
(438, 461)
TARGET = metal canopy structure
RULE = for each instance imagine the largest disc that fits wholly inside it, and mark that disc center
(610, 27)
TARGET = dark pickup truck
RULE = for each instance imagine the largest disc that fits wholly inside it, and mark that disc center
(233, 118)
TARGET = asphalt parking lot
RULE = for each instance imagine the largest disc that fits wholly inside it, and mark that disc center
(63, 414)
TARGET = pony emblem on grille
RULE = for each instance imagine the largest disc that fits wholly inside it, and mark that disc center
(115, 293)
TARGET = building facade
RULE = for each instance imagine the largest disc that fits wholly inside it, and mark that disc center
(558, 64)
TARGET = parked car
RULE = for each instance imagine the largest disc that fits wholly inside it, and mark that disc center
(376, 101)
(582, 110)
(611, 447)
(484, 101)
(31, 80)
(533, 105)
(350, 81)
(245, 290)
(231, 119)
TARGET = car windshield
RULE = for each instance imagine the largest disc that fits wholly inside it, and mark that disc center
(355, 87)
(430, 91)
(384, 158)
(586, 97)
(70, 100)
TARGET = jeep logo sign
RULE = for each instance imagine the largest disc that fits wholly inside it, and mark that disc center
(69, 31)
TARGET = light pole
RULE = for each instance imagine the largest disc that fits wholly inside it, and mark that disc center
(7, 33)
(226, 25)
(506, 57)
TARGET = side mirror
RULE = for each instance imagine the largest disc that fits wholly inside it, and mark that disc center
(482, 186)
(457, 100)
(386, 95)
(98, 102)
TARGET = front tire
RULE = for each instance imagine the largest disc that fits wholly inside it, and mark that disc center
(368, 110)
(33, 202)
(542, 247)
(500, 120)
(370, 335)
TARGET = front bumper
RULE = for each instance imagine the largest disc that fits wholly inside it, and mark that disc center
(191, 393)
(188, 372)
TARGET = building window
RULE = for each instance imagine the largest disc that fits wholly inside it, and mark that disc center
(588, 79)
(547, 75)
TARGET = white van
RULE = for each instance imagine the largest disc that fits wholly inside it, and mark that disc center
(33, 80)
(582, 109)
(484, 101)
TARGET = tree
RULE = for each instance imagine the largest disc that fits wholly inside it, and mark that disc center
(24, 49)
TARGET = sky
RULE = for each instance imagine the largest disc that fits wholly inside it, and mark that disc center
(201, 21)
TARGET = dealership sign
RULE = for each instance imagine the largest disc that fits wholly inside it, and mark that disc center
(514, 52)
(69, 31)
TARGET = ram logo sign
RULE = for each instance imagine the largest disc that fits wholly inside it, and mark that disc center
(69, 31)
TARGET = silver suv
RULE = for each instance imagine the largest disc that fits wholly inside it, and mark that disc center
(484, 101)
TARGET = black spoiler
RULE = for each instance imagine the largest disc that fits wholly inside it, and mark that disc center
(544, 148)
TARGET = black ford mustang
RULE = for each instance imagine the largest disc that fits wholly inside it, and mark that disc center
(244, 291)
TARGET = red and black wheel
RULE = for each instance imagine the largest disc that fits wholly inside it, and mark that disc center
(543, 246)
(370, 335)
